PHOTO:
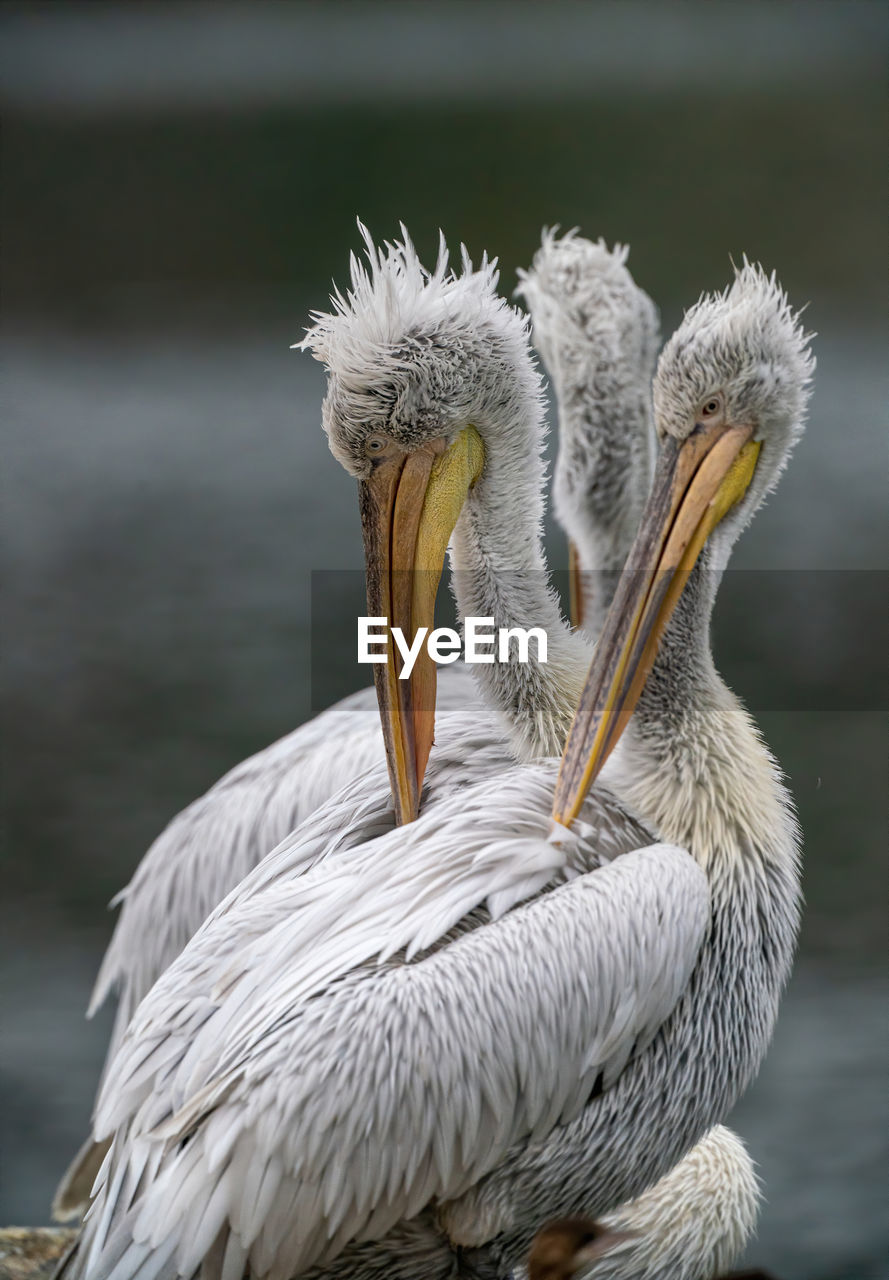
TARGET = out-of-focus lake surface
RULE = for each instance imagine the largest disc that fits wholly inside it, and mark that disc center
(174, 205)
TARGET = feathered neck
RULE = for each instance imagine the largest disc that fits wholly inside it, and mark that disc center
(499, 572)
(692, 760)
(421, 355)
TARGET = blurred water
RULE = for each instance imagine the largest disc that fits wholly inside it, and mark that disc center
(165, 503)
(137, 57)
(173, 187)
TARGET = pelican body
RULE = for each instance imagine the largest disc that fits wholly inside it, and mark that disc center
(208, 848)
(597, 332)
(404, 1054)
(212, 844)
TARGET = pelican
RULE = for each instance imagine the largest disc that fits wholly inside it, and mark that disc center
(409, 1059)
(597, 332)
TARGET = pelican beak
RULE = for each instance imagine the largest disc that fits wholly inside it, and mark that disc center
(575, 587)
(695, 485)
(409, 506)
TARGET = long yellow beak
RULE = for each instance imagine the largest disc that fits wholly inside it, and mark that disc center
(409, 506)
(695, 484)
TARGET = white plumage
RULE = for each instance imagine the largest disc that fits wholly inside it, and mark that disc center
(373, 1160)
(208, 848)
(691, 1225)
(298, 1091)
(694, 1223)
(597, 332)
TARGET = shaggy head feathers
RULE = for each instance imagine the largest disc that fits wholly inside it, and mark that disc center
(747, 343)
(598, 335)
(418, 354)
(585, 303)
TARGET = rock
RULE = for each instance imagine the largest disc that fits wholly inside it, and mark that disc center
(31, 1253)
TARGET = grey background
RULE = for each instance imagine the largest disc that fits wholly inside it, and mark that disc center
(180, 185)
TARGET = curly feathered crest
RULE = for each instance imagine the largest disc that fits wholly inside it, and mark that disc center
(418, 354)
(747, 340)
(393, 297)
(748, 344)
(571, 266)
(587, 310)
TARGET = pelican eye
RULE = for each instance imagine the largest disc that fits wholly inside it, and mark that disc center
(711, 407)
(375, 445)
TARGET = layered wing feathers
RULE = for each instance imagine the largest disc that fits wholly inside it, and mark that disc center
(326, 1086)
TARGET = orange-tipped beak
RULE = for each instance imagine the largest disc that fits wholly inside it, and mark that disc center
(409, 506)
(695, 484)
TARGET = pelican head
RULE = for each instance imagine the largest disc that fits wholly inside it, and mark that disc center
(730, 395)
(585, 301)
(430, 379)
(739, 359)
(598, 335)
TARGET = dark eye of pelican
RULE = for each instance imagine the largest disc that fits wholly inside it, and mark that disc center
(374, 444)
(711, 408)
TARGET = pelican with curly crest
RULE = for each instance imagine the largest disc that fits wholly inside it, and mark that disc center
(597, 331)
(414, 1056)
(605, 368)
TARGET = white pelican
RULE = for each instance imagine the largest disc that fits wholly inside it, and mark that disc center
(409, 1059)
(598, 335)
(597, 332)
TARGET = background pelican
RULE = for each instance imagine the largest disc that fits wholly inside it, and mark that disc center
(597, 332)
(411, 1059)
(598, 335)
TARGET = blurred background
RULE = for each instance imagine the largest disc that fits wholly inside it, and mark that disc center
(180, 185)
